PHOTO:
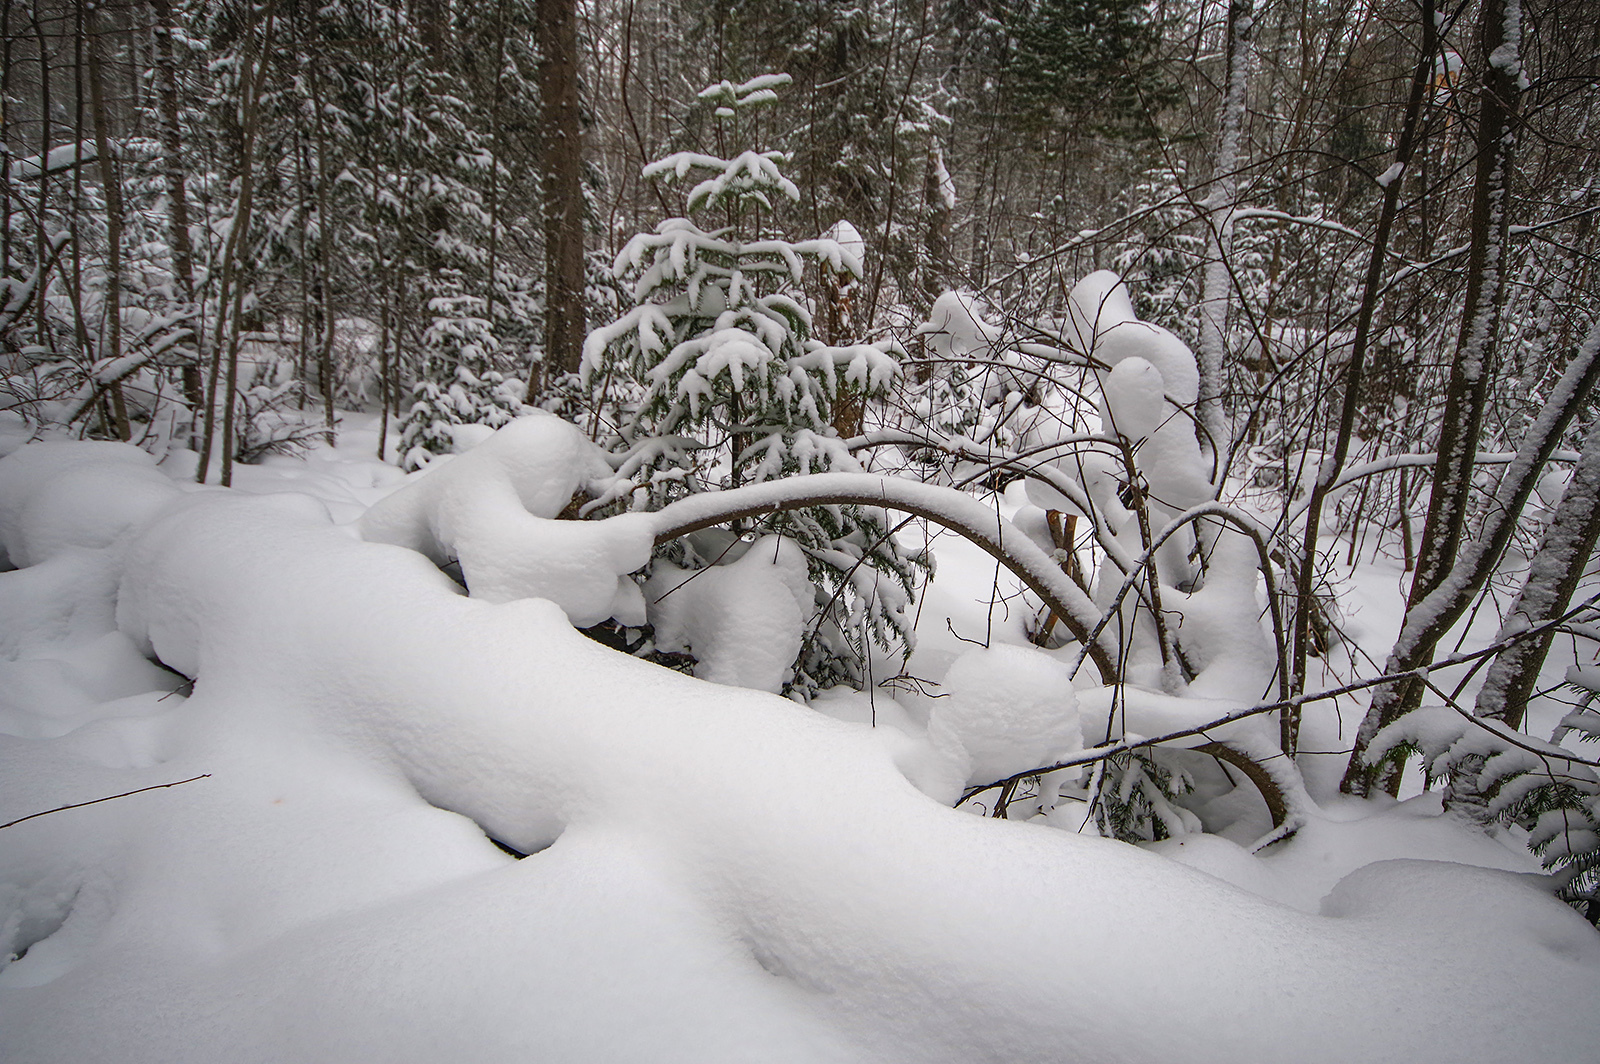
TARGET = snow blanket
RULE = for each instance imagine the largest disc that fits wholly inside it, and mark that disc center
(716, 874)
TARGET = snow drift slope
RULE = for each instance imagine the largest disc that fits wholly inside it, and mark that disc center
(718, 874)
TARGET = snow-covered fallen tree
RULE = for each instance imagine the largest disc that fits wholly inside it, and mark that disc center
(714, 873)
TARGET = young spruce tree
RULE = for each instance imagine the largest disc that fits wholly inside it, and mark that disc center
(729, 387)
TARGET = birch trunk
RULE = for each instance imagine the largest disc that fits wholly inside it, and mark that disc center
(1217, 284)
(1557, 567)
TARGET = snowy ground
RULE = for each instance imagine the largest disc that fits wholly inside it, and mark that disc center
(716, 873)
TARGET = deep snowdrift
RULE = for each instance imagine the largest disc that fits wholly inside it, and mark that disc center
(716, 873)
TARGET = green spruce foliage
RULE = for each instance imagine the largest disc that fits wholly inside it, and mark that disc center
(726, 385)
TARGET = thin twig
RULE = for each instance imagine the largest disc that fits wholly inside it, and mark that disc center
(107, 798)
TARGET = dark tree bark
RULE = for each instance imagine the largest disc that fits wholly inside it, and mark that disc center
(232, 292)
(561, 162)
(1328, 474)
(325, 367)
(111, 346)
(41, 324)
(177, 190)
(5, 140)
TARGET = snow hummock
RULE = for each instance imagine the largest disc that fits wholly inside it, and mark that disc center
(716, 874)
(493, 509)
(54, 496)
(1005, 709)
(744, 622)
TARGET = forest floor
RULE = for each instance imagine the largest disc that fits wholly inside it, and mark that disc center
(715, 873)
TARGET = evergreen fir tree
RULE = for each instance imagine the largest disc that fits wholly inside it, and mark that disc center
(1087, 67)
(458, 385)
(730, 385)
(1161, 258)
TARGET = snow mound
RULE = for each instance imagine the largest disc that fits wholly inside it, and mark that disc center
(1221, 625)
(1006, 709)
(492, 510)
(54, 496)
(1135, 397)
(743, 622)
(716, 874)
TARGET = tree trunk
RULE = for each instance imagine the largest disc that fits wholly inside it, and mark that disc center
(41, 321)
(177, 195)
(230, 295)
(111, 346)
(325, 367)
(1557, 567)
(1217, 283)
(939, 201)
(561, 161)
(1467, 390)
(5, 140)
(1470, 372)
(1427, 621)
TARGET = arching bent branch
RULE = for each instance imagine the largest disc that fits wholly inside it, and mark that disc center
(955, 510)
(1271, 793)
(1244, 525)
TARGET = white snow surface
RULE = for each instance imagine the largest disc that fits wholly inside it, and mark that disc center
(743, 621)
(717, 874)
(493, 509)
(1006, 709)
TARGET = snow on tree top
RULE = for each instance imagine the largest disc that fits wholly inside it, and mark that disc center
(758, 90)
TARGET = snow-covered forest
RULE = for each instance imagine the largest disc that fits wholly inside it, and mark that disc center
(911, 530)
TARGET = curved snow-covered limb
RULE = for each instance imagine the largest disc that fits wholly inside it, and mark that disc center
(1256, 772)
(765, 837)
(953, 509)
(1390, 462)
(1040, 469)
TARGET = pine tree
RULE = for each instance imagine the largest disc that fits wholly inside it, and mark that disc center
(458, 384)
(727, 377)
(1087, 67)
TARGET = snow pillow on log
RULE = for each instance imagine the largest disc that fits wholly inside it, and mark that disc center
(744, 621)
(493, 509)
(1006, 709)
(75, 494)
